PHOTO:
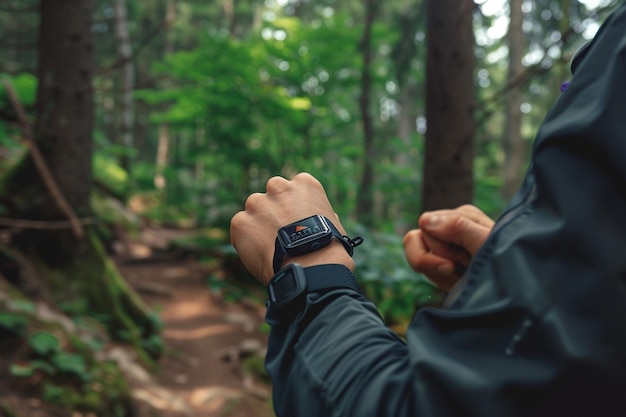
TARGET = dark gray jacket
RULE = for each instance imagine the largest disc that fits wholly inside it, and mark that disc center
(536, 327)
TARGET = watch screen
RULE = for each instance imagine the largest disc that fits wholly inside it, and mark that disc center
(303, 231)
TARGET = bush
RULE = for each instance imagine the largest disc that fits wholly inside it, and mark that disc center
(387, 279)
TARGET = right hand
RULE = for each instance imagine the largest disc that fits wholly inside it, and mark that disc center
(445, 242)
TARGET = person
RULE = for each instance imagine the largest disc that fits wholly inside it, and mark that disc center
(534, 326)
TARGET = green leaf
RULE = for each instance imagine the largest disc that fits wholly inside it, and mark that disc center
(43, 366)
(13, 322)
(22, 370)
(44, 343)
(28, 369)
(52, 393)
(25, 86)
(107, 171)
(70, 363)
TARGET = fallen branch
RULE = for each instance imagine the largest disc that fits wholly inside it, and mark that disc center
(42, 224)
(40, 163)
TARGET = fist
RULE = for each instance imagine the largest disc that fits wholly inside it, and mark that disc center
(253, 231)
(445, 242)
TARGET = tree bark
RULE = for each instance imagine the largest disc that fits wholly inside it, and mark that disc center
(125, 53)
(409, 20)
(74, 268)
(365, 199)
(65, 96)
(514, 154)
(163, 149)
(449, 154)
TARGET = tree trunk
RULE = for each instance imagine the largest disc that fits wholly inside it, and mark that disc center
(65, 97)
(513, 142)
(449, 154)
(163, 149)
(404, 53)
(125, 53)
(77, 270)
(365, 198)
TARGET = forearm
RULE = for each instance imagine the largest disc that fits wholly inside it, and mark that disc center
(335, 358)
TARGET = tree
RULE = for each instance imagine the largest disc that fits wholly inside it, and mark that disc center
(125, 52)
(64, 104)
(365, 197)
(448, 170)
(514, 149)
(54, 182)
(163, 147)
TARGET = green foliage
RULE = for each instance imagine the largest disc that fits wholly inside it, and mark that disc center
(206, 241)
(69, 376)
(108, 172)
(51, 359)
(70, 363)
(25, 86)
(255, 366)
(106, 393)
(487, 190)
(387, 279)
(285, 108)
(13, 324)
(44, 344)
(11, 147)
(28, 369)
(21, 305)
(232, 291)
(15, 316)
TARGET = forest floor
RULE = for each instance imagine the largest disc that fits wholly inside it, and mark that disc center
(208, 340)
(214, 344)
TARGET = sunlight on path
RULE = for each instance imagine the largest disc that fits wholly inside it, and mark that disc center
(201, 374)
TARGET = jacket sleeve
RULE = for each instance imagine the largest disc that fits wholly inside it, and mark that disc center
(536, 327)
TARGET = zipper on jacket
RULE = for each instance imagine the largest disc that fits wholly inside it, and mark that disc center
(506, 218)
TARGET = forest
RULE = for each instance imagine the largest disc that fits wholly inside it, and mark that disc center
(132, 131)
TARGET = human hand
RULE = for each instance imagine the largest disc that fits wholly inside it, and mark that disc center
(445, 242)
(253, 231)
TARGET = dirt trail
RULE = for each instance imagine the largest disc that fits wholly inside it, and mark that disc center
(201, 374)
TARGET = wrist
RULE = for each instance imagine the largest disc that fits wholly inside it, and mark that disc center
(288, 288)
(313, 241)
(334, 253)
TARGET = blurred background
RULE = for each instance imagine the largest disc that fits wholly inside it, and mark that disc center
(131, 131)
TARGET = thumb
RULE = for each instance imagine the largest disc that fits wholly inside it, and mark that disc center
(454, 228)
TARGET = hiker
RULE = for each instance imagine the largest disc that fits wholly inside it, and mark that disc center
(534, 326)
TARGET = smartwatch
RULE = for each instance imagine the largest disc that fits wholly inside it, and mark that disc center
(293, 282)
(308, 235)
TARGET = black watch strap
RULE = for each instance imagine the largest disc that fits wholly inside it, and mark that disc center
(293, 281)
(328, 277)
(279, 255)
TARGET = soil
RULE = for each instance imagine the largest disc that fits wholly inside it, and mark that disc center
(208, 340)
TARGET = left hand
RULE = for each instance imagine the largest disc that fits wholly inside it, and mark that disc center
(253, 231)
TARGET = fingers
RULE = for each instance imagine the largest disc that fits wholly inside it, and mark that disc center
(475, 214)
(439, 270)
(463, 228)
(445, 243)
(253, 230)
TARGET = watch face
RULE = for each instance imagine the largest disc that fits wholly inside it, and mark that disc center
(305, 235)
